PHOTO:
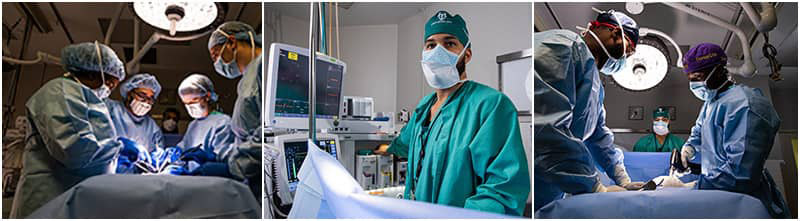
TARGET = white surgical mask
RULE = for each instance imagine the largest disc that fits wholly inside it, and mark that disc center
(439, 67)
(169, 124)
(140, 108)
(103, 91)
(196, 110)
(660, 128)
(700, 88)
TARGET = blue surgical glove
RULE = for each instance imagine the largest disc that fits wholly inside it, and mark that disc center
(212, 169)
(129, 149)
(124, 165)
(174, 170)
(198, 155)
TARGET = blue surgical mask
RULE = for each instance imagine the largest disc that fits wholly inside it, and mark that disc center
(700, 88)
(439, 67)
(660, 127)
(612, 65)
(229, 70)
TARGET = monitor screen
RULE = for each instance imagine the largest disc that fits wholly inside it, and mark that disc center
(291, 96)
(296, 152)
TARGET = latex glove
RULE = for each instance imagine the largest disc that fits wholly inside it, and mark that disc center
(212, 169)
(129, 149)
(633, 185)
(198, 155)
(687, 153)
(671, 181)
(612, 188)
(381, 150)
(174, 170)
(124, 165)
(166, 156)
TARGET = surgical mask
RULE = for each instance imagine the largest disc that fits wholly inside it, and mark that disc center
(196, 110)
(439, 67)
(612, 65)
(103, 91)
(140, 108)
(700, 88)
(660, 128)
(169, 124)
(231, 70)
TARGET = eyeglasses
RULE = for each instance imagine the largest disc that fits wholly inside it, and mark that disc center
(143, 97)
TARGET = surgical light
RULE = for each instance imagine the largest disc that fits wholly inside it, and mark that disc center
(644, 69)
(179, 16)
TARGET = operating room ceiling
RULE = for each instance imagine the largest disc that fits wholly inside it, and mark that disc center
(685, 29)
(88, 21)
(358, 13)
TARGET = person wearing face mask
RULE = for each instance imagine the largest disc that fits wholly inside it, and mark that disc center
(130, 116)
(734, 131)
(463, 141)
(570, 133)
(661, 140)
(71, 136)
(236, 51)
(169, 125)
(209, 138)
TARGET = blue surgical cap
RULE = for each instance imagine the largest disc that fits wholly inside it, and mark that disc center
(197, 84)
(143, 80)
(628, 24)
(238, 30)
(82, 57)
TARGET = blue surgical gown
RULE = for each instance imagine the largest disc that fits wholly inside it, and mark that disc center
(211, 133)
(733, 135)
(570, 135)
(143, 130)
(244, 162)
(71, 139)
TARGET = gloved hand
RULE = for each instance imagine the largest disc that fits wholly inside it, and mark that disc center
(124, 165)
(212, 169)
(633, 185)
(129, 149)
(687, 153)
(174, 170)
(671, 181)
(198, 155)
(165, 156)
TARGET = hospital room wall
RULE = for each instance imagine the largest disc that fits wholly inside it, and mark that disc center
(495, 29)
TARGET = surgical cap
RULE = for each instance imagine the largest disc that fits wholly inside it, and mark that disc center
(660, 112)
(238, 30)
(144, 80)
(197, 84)
(82, 57)
(628, 24)
(702, 56)
(444, 23)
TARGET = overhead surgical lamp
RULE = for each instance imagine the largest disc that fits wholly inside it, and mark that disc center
(183, 21)
(649, 65)
(179, 16)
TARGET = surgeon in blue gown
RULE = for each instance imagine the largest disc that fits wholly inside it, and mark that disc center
(570, 135)
(208, 138)
(236, 52)
(71, 137)
(130, 116)
(734, 130)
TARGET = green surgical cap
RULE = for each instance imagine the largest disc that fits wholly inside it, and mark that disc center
(444, 23)
(660, 112)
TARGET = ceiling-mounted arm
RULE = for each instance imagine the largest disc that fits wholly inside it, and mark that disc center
(766, 20)
(132, 65)
(40, 57)
(644, 31)
(748, 68)
(113, 24)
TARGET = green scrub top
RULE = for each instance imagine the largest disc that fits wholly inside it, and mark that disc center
(473, 155)
(649, 143)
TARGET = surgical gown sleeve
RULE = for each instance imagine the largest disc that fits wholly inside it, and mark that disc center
(499, 162)
(746, 140)
(560, 157)
(78, 125)
(694, 136)
(400, 144)
(601, 144)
